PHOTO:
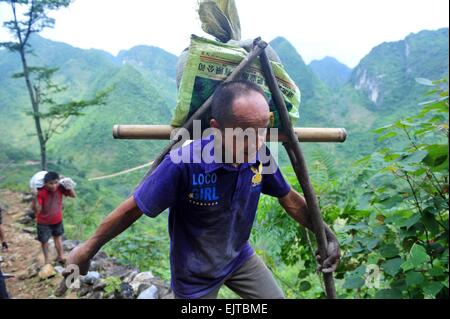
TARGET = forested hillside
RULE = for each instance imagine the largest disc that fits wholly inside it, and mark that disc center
(384, 191)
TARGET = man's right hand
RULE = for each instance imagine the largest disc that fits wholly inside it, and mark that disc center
(116, 222)
(113, 225)
(80, 257)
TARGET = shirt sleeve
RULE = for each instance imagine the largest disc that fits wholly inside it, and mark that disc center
(275, 185)
(159, 190)
(40, 198)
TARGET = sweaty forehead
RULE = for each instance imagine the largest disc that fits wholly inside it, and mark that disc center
(251, 110)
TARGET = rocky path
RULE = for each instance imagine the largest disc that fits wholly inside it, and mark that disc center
(29, 278)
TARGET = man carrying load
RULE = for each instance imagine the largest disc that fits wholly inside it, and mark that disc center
(212, 205)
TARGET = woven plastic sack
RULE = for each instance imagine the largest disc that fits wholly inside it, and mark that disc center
(209, 63)
(67, 183)
(37, 181)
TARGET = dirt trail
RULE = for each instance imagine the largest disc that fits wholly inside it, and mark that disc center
(24, 258)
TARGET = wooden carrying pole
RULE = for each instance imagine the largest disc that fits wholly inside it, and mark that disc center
(299, 164)
(164, 132)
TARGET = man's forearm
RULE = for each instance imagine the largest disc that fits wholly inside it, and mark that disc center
(307, 222)
(117, 222)
(296, 206)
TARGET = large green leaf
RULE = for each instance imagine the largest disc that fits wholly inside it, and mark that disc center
(437, 157)
(403, 220)
(387, 136)
(382, 129)
(379, 230)
(389, 294)
(353, 282)
(415, 157)
(392, 266)
(414, 278)
(430, 223)
(392, 201)
(437, 271)
(399, 284)
(418, 257)
(358, 226)
(380, 180)
(411, 221)
(355, 279)
(364, 201)
(389, 251)
(441, 203)
(372, 243)
(433, 288)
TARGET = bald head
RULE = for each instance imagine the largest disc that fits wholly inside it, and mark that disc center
(251, 111)
(239, 104)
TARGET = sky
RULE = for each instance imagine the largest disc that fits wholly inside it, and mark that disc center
(344, 29)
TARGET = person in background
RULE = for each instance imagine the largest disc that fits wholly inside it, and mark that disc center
(3, 291)
(2, 234)
(49, 216)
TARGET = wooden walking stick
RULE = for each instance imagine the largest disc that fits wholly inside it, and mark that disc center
(299, 164)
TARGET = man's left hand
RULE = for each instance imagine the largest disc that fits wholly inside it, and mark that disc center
(332, 261)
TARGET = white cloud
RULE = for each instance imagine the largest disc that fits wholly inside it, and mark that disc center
(345, 29)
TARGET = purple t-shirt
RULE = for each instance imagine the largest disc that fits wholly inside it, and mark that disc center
(212, 207)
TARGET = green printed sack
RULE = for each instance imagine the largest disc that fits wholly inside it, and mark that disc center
(209, 63)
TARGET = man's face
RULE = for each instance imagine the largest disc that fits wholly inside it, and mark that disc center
(252, 115)
(52, 186)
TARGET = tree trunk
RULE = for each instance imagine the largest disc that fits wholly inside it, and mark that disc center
(36, 115)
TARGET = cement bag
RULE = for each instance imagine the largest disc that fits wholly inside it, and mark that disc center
(209, 63)
(245, 44)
